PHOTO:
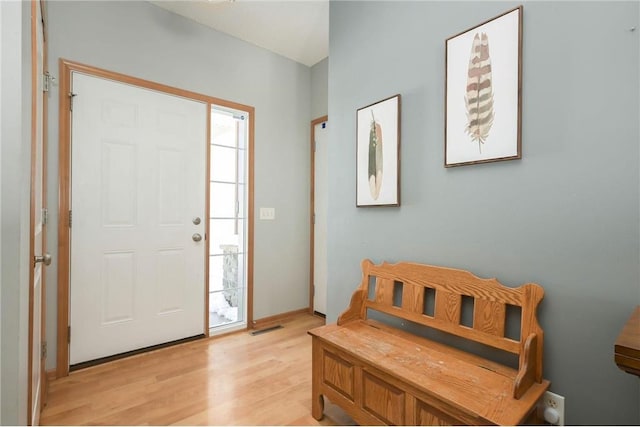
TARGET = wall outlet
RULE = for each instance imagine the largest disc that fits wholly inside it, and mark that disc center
(552, 404)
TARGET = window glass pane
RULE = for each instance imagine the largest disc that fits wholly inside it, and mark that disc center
(215, 273)
(223, 129)
(226, 306)
(222, 200)
(226, 288)
(222, 234)
(226, 271)
(223, 164)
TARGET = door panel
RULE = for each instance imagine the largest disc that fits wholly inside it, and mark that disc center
(119, 196)
(320, 225)
(117, 287)
(138, 178)
(170, 288)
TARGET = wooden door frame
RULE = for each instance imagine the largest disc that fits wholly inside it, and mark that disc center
(312, 234)
(64, 235)
(35, 121)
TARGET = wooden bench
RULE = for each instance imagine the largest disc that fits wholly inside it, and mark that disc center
(380, 374)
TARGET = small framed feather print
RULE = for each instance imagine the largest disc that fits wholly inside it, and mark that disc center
(483, 106)
(378, 153)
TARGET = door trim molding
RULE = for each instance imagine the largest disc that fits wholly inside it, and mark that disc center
(34, 126)
(312, 204)
(64, 188)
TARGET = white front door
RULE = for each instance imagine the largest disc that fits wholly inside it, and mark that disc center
(38, 198)
(138, 168)
(320, 224)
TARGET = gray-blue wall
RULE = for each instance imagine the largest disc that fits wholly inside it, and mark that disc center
(143, 40)
(319, 88)
(565, 216)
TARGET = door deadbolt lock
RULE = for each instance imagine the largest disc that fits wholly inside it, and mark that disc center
(45, 259)
(196, 237)
(196, 220)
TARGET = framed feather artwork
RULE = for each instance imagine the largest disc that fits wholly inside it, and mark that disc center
(483, 105)
(378, 153)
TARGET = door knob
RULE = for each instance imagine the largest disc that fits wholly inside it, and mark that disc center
(196, 220)
(45, 259)
(196, 237)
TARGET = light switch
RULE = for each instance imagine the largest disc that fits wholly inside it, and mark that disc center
(268, 213)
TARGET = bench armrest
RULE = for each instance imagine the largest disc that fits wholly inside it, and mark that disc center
(527, 373)
(356, 308)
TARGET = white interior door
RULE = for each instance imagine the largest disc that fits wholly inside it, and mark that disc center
(320, 223)
(138, 184)
(37, 221)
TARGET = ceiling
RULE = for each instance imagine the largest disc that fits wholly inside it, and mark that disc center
(298, 30)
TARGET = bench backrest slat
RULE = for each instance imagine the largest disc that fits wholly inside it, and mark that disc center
(384, 291)
(413, 298)
(448, 306)
(489, 317)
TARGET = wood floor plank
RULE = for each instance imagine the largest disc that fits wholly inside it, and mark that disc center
(239, 379)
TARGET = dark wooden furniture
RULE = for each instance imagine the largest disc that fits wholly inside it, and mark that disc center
(383, 375)
(627, 347)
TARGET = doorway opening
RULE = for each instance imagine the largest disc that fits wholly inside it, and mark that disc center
(228, 199)
(318, 232)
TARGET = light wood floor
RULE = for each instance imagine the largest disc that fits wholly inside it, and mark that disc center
(239, 379)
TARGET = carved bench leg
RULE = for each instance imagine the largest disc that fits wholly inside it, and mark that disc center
(317, 400)
(317, 407)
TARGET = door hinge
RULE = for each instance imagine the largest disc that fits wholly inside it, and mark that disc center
(71, 96)
(47, 81)
(43, 353)
(70, 218)
(314, 218)
(45, 216)
(68, 334)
